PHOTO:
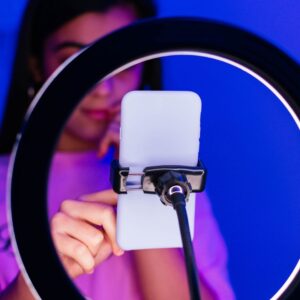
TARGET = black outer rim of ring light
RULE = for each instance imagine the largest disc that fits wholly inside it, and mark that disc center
(35, 148)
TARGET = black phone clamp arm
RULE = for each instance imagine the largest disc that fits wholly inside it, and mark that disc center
(158, 179)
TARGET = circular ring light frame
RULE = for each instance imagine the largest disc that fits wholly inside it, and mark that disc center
(46, 117)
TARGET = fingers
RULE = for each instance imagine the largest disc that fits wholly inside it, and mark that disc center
(97, 214)
(112, 135)
(84, 232)
(111, 138)
(105, 197)
(105, 252)
(76, 250)
(90, 236)
(72, 267)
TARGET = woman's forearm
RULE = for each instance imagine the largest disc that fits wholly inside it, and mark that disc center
(161, 274)
(18, 289)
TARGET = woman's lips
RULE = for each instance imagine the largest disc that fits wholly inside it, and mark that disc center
(97, 114)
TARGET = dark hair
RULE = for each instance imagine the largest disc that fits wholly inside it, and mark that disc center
(41, 18)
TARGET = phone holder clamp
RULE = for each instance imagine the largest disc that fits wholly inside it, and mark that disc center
(158, 180)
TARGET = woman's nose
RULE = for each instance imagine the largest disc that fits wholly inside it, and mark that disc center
(103, 88)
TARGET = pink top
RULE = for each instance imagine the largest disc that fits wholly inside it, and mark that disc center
(74, 174)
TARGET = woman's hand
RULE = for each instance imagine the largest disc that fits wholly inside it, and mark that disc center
(112, 134)
(84, 232)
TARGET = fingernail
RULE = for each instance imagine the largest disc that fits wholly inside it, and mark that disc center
(119, 252)
(100, 153)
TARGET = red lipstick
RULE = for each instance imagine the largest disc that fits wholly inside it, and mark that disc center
(97, 114)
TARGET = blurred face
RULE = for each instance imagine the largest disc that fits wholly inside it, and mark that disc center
(91, 118)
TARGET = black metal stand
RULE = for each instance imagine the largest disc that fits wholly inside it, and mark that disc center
(178, 201)
(173, 184)
(175, 189)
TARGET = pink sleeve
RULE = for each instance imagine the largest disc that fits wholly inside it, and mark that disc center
(210, 251)
(8, 264)
(8, 269)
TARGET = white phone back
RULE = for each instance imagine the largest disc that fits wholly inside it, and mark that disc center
(157, 128)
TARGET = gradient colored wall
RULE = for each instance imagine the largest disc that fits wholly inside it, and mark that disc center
(249, 143)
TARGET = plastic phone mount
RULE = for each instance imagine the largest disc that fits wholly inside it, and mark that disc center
(148, 180)
(35, 145)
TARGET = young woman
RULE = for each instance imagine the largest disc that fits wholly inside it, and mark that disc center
(82, 219)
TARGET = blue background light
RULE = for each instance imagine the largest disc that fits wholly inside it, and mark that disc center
(249, 143)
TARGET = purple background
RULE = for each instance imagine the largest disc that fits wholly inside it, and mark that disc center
(249, 143)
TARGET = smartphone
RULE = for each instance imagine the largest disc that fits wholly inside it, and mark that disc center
(157, 128)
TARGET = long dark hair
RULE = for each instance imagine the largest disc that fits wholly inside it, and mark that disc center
(41, 18)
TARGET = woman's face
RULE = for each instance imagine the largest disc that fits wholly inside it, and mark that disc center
(90, 119)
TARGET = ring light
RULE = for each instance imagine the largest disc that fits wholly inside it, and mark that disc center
(46, 118)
